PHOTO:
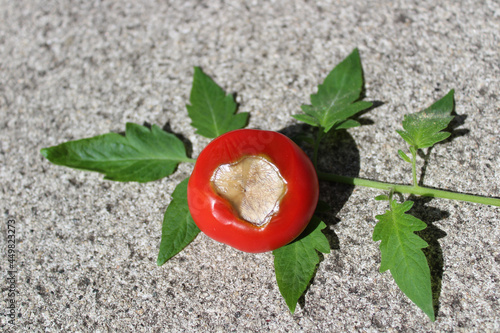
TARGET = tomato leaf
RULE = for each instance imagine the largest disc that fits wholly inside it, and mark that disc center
(424, 129)
(349, 123)
(382, 197)
(305, 118)
(404, 156)
(401, 253)
(178, 228)
(142, 155)
(212, 111)
(296, 262)
(337, 98)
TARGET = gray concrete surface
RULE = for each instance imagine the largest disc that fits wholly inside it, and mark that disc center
(86, 247)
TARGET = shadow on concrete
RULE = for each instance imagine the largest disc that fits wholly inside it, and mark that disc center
(338, 154)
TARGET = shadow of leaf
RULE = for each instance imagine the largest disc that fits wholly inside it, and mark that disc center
(364, 121)
(338, 154)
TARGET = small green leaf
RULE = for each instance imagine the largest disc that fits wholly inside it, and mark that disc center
(142, 155)
(296, 262)
(401, 253)
(382, 197)
(178, 228)
(404, 156)
(212, 111)
(337, 98)
(306, 119)
(423, 129)
(349, 123)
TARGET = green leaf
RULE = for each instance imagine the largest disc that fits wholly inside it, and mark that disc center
(423, 129)
(306, 119)
(382, 197)
(212, 111)
(349, 123)
(404, 156)
(142, 155)
(178, 228)
(296, 262)
(337, 98)
(401, 253)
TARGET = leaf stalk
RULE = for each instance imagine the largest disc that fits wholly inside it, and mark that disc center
(410, 189)
(414, 165)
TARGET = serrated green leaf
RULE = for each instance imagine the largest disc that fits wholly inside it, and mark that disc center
(178, 228)
(404, 156)
(423, 129)
(142, 155)
(306, 119)
(336, 98)
(212, 111)
(401, 253)
(349, 123)
(296, 262)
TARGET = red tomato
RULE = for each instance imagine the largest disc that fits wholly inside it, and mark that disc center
(218, 173)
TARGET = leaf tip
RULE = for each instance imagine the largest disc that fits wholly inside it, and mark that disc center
(292, 305)
(160, 261)
(45, 152)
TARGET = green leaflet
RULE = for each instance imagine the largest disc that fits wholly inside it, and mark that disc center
(178, 228)
(401, 252)
(212, 111)
(296, 262)
(142, 155)
(404, 156)
(423, 129)
(337, 98)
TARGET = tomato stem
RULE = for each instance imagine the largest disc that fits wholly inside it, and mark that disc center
(419, 190)
(413, 151)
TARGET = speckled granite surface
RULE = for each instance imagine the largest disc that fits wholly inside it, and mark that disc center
(86, 248)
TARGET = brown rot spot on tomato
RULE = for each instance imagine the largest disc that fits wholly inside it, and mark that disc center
(253, 186)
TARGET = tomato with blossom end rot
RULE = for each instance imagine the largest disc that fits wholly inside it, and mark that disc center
(254, 190)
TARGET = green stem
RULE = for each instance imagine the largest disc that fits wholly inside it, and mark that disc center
(414, 165)
(419, 190)
(189, 160)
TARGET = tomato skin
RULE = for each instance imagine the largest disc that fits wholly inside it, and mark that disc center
(216, 217)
